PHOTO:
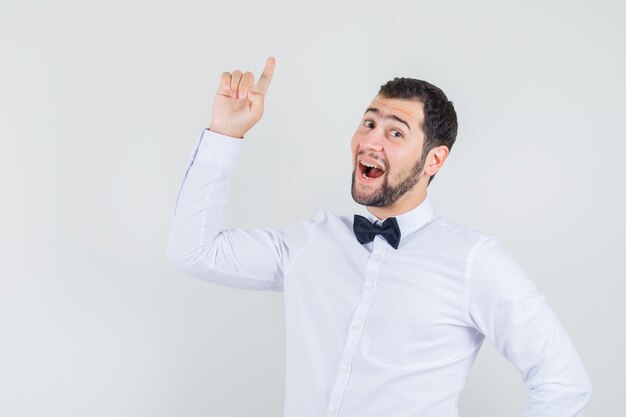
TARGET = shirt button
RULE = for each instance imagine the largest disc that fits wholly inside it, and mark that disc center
(344, 369)
(204, 143)
(369, 286)
(355, 327)
(332, 411)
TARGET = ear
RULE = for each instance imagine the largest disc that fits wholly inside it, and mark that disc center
(435, 160)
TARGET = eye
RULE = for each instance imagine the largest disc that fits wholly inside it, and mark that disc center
(368, 123)
(399, 134)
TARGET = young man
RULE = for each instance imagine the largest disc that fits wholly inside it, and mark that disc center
(385, 312)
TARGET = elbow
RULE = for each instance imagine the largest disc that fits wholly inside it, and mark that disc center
(183, 259)
(586, 389)
(189, 259)
(579, 392)
(583, 387)
(174, 258)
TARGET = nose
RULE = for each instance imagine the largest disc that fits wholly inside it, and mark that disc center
(372, 140)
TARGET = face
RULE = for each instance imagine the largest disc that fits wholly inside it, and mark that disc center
(387, 151)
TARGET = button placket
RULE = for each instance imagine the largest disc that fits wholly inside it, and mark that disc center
(357, 325)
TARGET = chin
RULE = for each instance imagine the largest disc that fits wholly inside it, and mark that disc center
(363, 195)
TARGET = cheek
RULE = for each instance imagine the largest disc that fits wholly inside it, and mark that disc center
(353, 146)
(398, 164)
(406, 159)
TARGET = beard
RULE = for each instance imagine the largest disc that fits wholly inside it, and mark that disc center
(387, 194)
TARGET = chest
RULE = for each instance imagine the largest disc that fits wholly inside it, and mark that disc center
(418, 289)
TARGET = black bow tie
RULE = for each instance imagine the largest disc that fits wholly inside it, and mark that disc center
(365, 231)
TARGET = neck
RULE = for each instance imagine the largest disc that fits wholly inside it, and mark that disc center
(404, 204)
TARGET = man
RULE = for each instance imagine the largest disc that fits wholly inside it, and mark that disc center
(385, 312)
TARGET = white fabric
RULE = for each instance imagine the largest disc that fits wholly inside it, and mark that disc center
(372, 331)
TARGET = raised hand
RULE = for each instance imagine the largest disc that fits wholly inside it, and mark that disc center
(238, 103)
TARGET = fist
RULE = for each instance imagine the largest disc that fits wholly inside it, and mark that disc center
(238, 103)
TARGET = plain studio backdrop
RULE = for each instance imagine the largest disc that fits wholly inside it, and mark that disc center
(102, 103)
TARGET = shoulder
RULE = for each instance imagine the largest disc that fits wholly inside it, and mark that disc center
(302, 230)
(484, 253)
(491, 272)
(455, 234)
(324, 229)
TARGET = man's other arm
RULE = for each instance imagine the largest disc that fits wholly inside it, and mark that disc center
(505, 306)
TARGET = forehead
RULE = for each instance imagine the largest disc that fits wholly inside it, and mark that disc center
(409, 110)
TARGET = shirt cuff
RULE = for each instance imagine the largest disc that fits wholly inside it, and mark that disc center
(219, 149)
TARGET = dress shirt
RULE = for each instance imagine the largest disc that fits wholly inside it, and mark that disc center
(372, 331)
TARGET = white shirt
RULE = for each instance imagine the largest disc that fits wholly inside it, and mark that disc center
(372, 331)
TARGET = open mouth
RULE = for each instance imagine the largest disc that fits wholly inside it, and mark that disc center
(370, 171)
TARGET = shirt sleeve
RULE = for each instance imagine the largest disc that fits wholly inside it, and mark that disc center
(198, 245)
(506, 307)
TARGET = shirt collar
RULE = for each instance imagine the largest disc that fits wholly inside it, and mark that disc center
(410, 221)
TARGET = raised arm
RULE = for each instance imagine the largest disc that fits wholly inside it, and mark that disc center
(198, 245)
(505, 306)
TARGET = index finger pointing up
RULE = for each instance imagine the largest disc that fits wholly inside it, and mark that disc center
(266, 77)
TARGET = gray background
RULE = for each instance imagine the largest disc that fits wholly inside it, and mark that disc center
(101, 104)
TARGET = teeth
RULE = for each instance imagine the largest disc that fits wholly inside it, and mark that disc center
(367, 164)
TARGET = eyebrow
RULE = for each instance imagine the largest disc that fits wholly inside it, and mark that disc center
(387, 116)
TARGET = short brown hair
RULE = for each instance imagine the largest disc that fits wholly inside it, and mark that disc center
(440, 124)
